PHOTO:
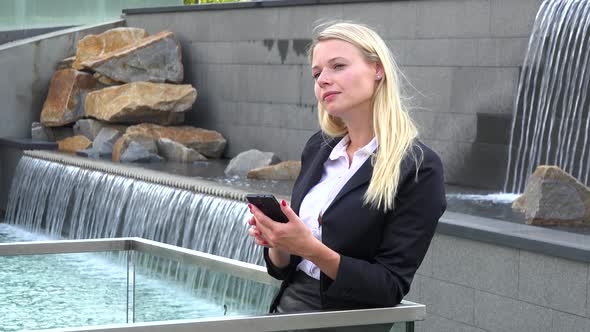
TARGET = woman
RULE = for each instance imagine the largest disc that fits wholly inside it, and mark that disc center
(369, 194)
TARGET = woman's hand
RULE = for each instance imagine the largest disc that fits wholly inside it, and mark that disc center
(293, 237)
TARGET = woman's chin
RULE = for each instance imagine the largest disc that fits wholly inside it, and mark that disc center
(333, 110)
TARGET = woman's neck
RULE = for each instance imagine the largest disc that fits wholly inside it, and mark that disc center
(360, 131)
(359, 139)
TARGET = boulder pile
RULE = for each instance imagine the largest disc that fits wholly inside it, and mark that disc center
(121, 96)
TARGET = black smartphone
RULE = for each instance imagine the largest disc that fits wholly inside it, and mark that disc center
(269, 205)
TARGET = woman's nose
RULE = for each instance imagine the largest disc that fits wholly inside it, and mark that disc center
(324, 78)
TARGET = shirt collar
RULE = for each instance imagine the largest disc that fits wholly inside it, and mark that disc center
(340, 148)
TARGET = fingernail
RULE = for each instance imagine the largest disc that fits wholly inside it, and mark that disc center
(264, 242)
(249, 206)
(251, 222)
(284, 203)
(257, 233)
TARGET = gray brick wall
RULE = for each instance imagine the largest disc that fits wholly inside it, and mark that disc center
(462, 60)
(474, 286)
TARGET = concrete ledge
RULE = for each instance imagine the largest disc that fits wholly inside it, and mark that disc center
(27, 144)
(62, 32)
(12, 35)
(550, 242)
(241, 5)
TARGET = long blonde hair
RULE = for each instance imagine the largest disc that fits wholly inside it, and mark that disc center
(394, 129)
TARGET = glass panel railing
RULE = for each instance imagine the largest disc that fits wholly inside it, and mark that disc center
(62, 290)
(168, 290)
(150, 286)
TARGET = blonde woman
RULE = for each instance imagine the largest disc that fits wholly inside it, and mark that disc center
(366, 203)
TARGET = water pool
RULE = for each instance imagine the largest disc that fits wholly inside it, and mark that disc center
(67, 290)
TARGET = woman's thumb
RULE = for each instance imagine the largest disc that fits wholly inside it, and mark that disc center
(288, 211)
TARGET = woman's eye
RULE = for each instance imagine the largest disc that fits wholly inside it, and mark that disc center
(338, 66)
(316, 75)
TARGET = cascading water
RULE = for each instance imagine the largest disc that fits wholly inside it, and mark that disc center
(552, 112)
(62, 200)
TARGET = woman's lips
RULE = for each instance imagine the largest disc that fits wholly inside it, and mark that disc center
(329, 96)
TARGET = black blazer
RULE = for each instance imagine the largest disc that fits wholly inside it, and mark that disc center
(380, 252)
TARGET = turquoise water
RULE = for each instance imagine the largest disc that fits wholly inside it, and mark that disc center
(68, 290)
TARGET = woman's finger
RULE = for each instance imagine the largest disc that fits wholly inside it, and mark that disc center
(262, 221)
(261, 241)
(252, 231)
(288, 211)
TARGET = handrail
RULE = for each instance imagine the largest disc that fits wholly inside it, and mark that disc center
(406, 312)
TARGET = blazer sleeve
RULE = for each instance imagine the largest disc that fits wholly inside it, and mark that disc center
(407, 233)
(277, 272)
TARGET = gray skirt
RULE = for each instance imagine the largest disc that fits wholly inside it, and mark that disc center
(303, 295)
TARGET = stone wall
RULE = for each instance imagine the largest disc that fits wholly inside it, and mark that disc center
(462, 56)
(474, 286)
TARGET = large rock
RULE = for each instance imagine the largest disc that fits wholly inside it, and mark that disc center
(155, 59)
(287, 170)
(38, 132)
(553, 197)
(65, 63)
(65, 100)
(52, 134)
(141, 102)
(207, 142)
(137, 152)
(105, 80)
(246, 161)
(147, 152)
(74, 144)
(91, 127)
(104, 141)
(93, 46)
(175, 151)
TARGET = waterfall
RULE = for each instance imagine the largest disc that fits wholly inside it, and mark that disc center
(552, 113)
(67, 201)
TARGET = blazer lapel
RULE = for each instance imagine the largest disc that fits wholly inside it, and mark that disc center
(362, 176)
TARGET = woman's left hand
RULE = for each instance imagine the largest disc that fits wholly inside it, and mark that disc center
(293, 236)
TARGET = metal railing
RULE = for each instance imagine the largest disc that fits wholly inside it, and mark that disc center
(403, 314)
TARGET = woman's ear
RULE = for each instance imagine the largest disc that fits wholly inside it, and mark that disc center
(378, 71)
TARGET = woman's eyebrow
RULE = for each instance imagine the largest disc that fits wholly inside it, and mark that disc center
(330, 61)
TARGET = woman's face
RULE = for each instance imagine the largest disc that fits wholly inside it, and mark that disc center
(344, 81)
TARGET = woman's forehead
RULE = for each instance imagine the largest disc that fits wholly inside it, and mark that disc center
(327, 50)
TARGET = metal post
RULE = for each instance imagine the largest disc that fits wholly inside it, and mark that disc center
(128, 253)
(133, 254)
(130, 286)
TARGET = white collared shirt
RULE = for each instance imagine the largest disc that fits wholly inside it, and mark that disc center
(318, 199)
